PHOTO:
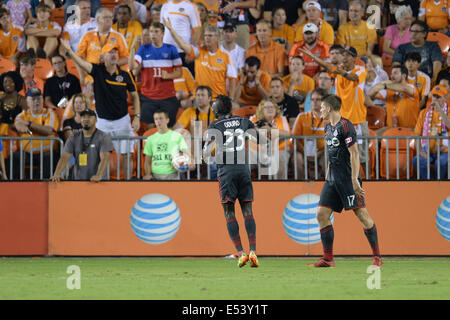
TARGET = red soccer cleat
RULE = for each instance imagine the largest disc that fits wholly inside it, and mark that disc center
(377, 262)
(322, 263)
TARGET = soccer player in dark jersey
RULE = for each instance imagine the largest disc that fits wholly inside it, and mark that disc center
(342, 188)
(228, 134)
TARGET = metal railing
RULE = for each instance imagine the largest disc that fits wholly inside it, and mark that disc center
(388, 158)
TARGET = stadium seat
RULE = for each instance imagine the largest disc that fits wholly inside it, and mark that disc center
(58, 16)
(372, 153)
(388, 154)
(110, 4)
(71, 68)
(376, 117)
(442, 40)
(245, 112)
(6, 65)
(380, 46)
(387, 64)
(43, 69)
(113, 164)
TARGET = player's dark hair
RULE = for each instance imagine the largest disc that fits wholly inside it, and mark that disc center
(157, 25)
(333, 101)
(443, 76)
(162, 111)
(253, 61)
(222, 105)
(402, 68)
(204, 88)
(414, 56)
(124, 6)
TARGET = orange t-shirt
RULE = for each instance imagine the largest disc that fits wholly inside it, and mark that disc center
(437, 15)
(48, 118)
(404, 106)
(12, 42)
(272, 59)
(212, 69)
(284, 36)
(90, 46)
(250, 94)
(307, 124)
(352, 95)
(36, 83)
(320, 50)
(185, 83)
(357, 37)
(306, 86)
(280, 123)
(422, 82)
(326, 32)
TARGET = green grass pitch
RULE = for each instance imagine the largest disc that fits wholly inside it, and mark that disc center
(218, 278)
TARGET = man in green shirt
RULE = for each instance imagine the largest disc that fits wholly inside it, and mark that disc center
(160, 148)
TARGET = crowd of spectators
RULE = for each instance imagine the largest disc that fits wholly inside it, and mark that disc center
(127, 59)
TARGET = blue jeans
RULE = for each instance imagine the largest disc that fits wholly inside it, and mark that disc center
(95, 5)
(443, 162)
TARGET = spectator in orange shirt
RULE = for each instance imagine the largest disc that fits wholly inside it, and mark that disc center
(44, 29)
(357, 33)
(127, 27)
(36, 121)
(12, 39)
(310, 124)
(324, 29)
(436, 14)
(317, 47)
(271, 54)
(418, 78)
(297, 83)
(402, 99)
(27, 64)
(433, 121)
(282, 32)
(268, 116)
(253, 84)
(213, 67)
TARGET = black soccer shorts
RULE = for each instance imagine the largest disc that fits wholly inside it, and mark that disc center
(235, 182)
(340, 195)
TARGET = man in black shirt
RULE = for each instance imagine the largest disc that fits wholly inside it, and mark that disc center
(342, 188)
(62, 86)
(228, 134)
(288, 105)
(429, 51)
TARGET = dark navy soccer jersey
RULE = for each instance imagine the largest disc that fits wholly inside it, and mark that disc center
(338, 139)
(229, 134)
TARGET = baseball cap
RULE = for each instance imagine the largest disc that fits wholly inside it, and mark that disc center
(88, 112)
(34, 92)
(351, 51)
(314, 4)
(310, 27)
(439, 91)
(109, 47)
(230, 25)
